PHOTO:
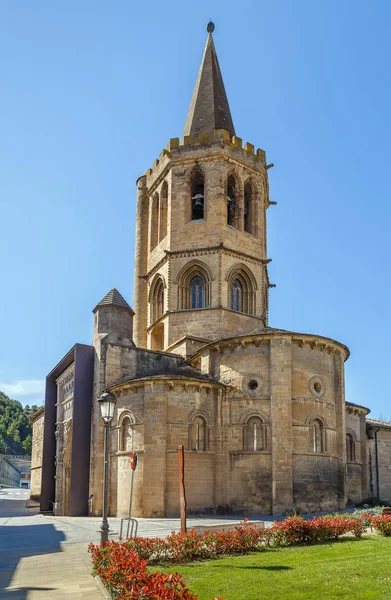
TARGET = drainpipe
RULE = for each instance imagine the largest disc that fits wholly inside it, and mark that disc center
(377, 464)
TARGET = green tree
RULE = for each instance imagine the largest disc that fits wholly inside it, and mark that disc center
(15, 427)
(27, 443)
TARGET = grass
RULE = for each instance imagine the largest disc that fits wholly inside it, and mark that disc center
(358, 569)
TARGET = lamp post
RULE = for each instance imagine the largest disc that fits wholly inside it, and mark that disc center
(107, 402)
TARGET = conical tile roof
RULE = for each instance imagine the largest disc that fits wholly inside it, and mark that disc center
(114, 298)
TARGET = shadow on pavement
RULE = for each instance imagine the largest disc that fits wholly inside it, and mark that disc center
(21, 593)
(22, 542)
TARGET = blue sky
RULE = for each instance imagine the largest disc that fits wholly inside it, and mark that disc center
(91, 93)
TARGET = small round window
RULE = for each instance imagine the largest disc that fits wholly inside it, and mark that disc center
(252, 385)
(317, 386)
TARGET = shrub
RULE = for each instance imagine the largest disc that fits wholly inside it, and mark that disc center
(297, 530)
(365, 514)
(190, 546)
(122, 565)
(381, 524)
(125, 576)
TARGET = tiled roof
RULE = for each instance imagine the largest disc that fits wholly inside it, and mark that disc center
(376, 423)
(268, 330)
(173, 372)
(113, 298)
(359, 406)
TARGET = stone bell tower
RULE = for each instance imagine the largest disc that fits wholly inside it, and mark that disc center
(201, 261)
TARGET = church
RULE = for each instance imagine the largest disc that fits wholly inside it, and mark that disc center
(260, 411)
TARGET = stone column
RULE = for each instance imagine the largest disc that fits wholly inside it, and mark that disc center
(340, 418)
(96, 448)
(281, 418)
(140, 264)
(155, 443)
(363, 457)
(221, 448)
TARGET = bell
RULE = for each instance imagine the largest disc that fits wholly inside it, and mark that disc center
(199, 200)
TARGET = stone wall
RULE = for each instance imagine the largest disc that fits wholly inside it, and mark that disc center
(315, 483)
(267, 377)
(210, 241)
(379, 469)
(37, 423)
(356, 459)
(354, 491)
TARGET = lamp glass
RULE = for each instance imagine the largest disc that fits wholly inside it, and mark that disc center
(107, 404)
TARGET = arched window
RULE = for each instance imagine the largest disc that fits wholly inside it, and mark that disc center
(236, 296)
(254, 434)
(197, 195)
(249, 209)
(125, 434)
(154, 234)
(163, 211)
(194, 286)
(350, 448)
(156, 300)
(198, 434)
(317, 436)
(232, 208)
(241, 290)
(197, 292)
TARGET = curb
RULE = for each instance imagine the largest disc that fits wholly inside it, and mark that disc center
(101, 588)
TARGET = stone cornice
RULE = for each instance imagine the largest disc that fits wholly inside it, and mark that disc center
(356, 409)
(66, 375)
(310, 398)
(171, 381)
(225, 308)
(314, 341)
(190, 252)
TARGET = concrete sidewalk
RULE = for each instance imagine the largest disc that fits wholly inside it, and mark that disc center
(44, 557)
(65, 573)
(37, 559)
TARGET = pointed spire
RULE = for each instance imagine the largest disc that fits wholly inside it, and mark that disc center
(209, 108)
(113, 298)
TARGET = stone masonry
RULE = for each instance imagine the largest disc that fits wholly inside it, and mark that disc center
(260, 411)
(37, 424)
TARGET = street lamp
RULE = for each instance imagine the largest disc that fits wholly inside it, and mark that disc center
(107, 402)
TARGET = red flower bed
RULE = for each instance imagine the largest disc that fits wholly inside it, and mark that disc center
(122, 566)
(297, 530)
(382, 524)
(185, 547)
(125, 575)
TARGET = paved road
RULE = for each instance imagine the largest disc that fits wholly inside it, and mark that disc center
(45, 557)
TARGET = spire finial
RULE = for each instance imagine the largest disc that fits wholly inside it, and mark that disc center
(210, 27)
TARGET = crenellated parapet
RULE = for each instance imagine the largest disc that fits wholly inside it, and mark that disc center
(217, 140)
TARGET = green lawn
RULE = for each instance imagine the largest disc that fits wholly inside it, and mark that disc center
(354, 569)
